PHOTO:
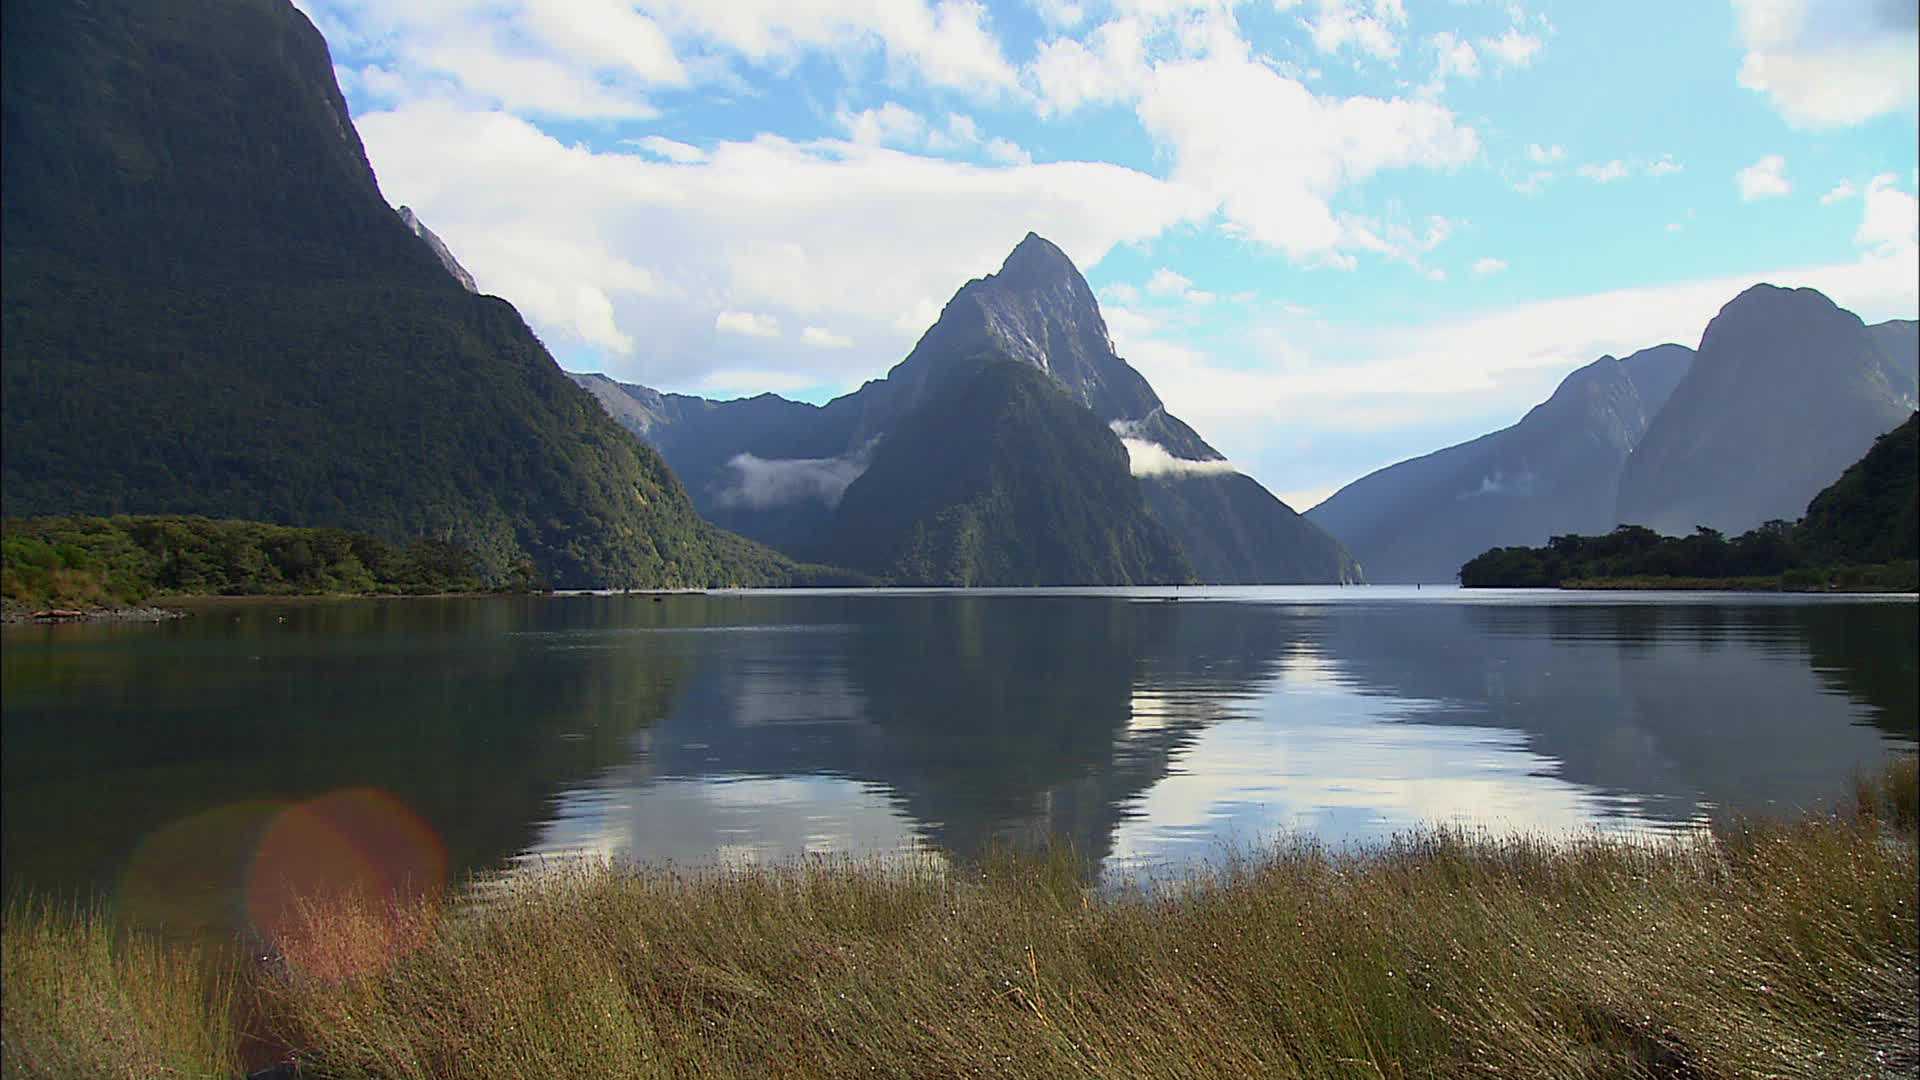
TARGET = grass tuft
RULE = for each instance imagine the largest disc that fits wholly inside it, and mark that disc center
(85, 999)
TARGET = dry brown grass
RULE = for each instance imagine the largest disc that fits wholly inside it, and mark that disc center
(82, 999)
(1766, 949)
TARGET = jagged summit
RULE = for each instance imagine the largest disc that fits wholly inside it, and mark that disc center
(1036, 259)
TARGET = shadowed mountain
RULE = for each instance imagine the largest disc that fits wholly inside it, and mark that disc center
(1786, 391)
(1554, 472)
(776, 470)
(999, 478)
(209, 308)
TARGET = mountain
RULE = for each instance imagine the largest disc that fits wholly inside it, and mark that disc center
(1786, 391)
(1554, 472)
(999, 478)
(439, 248)
(209, 308)
(777, 470)
(1899, 343)
(1872, 513)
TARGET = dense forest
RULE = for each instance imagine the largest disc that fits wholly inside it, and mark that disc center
(1859, 532)
(209, 308)
(93, 561)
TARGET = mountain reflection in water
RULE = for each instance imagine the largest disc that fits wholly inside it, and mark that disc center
(762, 726)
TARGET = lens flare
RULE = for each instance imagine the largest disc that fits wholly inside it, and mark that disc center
(341, 882)
(186, 877)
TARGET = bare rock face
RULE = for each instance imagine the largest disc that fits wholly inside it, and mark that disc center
(438, 247)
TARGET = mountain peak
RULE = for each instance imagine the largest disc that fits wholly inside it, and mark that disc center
(1036, 257)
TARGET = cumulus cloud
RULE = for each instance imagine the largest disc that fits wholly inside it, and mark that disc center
(760, 483)
(1764, 179)
(1841, 191)
(829, 233)
(946, 44)
(1166, 283)
(1513, 49)
(749, 323)
(1831, 63)
(1890, 220)
(821, 338)
(1274, 179)
(1545, 155)
(1366, 26)
(1488, 265)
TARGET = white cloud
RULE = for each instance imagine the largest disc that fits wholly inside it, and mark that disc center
(1165, 282)
(1368, 27)
(1148, 458)
(1764, 179)
(945, 44)
(1890, 221)
(762, 482)
(1488, 265)
(1274, 179)
(661, 146)
(1534, 182)
(893, 124)
(1111, 66)
(1843, 190)
(1831, 63)
(825, 339)
(1545, 155)
(1120, 292)
(749, 323)
(1514, 49)
(830, 234)
(1454, 58)
(1674, 226)
(1604, 173)
(1665, 166)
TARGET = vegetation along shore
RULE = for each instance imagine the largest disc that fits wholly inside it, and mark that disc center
(1756, 948)
(117, 567)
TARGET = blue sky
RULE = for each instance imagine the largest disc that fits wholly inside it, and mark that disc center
(1332, 233)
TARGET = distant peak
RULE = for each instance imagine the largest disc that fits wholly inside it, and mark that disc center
(1036, 255)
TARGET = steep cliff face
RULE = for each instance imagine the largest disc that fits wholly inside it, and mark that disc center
(1037, 311)
(1556, 471)
(1786, 392)
(210, 308)
(439, 248)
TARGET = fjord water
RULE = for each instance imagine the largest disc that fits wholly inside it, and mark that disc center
(165, 764)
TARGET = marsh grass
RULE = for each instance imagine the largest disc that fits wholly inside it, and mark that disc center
(83, 998)
(1758, 949)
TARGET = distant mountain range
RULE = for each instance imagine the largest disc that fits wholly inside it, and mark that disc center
(803, 477)
(1785, 392)
(1556, 471)
(210, 309)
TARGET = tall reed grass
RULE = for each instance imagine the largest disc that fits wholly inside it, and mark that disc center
(1757, 949)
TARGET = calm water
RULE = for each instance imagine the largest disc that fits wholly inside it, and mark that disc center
(167, 765)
